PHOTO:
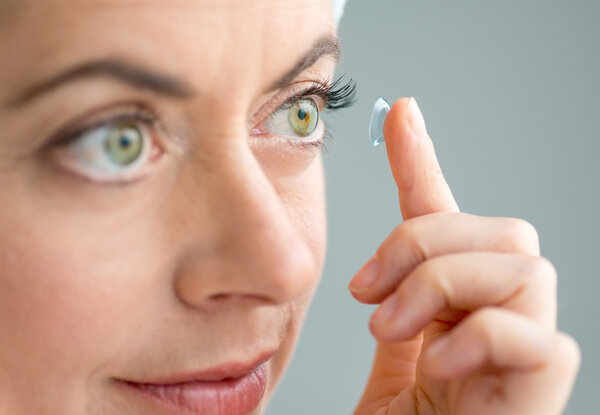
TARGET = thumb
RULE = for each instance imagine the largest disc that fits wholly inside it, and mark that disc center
(422, 188)
(392, 374)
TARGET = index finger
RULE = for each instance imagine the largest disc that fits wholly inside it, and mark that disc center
(422, 188)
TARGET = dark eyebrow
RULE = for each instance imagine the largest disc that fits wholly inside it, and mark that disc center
(162, 84)
(124, 71)
(325, 45)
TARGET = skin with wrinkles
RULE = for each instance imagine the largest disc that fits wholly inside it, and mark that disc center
(211, 258)
(211, 253)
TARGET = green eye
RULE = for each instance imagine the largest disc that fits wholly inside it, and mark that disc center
(303, 116)
(124, 143)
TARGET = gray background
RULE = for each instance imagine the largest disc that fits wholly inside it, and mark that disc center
(511, 97)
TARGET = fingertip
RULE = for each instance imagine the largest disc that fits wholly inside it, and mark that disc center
(385, 332)
(415, 119)
(365, 277)
(398, 138)
(396, 123)
(408, 146)
(569, 351)
(421, 185)
(391, 322)
(404, 120)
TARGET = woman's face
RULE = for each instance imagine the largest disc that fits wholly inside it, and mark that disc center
(155, 220)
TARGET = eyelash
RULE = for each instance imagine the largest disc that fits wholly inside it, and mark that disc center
(336, 95)
(136, 112)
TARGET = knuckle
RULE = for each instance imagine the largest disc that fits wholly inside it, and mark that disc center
(522, 235)
(435, 172)
(410, 234)
(436, 176)
(432, 272)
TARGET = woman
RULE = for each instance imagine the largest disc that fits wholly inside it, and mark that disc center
(162, 226)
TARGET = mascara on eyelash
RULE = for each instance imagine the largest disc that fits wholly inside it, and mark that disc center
(341, 96)
(336, 96)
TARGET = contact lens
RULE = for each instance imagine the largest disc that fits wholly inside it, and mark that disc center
(380, 110)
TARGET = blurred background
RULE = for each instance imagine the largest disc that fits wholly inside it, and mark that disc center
(511, 97)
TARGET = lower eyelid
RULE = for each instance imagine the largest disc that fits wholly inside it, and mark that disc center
(66, 165)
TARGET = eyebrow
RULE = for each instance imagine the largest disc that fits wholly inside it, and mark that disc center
(327, 45)
(162, 84)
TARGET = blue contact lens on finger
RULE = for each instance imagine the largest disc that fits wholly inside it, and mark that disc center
(380, 110)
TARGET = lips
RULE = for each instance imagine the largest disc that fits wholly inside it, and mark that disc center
(231, 389)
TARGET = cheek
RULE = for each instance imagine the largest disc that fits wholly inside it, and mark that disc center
(72, 295)
(304, 198)
(64, 296)
(70, 273)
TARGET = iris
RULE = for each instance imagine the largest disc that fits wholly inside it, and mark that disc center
(303, 116)
(124, 143)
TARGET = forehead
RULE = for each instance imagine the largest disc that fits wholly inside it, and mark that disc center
(216, 41)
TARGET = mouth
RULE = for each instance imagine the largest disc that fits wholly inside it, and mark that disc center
(230, 389)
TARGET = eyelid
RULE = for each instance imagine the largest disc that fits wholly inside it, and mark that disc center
(109, 114)
(145, 117)
(66, 159)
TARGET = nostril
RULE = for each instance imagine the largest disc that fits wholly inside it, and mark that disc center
(219, 298)
(225, 300)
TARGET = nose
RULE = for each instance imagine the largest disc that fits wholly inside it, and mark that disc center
(246, 242)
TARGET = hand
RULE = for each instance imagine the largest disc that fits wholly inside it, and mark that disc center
(467, 321)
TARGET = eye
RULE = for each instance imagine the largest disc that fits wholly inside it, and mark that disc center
(298, 118)
(124, 144)
(112, 152)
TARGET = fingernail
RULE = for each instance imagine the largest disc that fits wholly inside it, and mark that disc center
(365, 277)
(385, 311)
(415, 118)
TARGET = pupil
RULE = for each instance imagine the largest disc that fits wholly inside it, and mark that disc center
(125, 142)
(301, 114)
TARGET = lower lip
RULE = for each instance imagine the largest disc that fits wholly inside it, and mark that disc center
(226, 397)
